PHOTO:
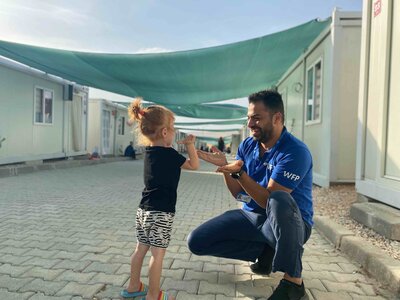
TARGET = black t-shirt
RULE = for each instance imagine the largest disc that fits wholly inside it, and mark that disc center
(162, 170)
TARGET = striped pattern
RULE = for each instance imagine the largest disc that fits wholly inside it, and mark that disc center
(153, 228)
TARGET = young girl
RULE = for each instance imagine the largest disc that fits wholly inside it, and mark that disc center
(154, 217)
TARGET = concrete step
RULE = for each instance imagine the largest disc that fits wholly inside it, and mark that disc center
(380, 217)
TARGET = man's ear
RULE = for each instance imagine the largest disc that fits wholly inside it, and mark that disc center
(277, 117)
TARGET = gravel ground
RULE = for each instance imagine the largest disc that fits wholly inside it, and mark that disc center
(335, 202)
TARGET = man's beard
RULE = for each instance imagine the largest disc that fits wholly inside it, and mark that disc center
(264, 136)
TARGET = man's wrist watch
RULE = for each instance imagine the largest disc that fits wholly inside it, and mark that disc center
(236, 175)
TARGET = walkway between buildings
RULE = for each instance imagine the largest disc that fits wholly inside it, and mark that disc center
(69, 233)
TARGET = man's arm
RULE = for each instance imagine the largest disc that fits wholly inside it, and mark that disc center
(257, 192)
(232, 184)
(217, 158)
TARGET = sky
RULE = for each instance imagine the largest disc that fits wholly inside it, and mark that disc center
(149, 26)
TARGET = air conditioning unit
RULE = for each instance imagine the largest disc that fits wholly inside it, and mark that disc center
(68, 92)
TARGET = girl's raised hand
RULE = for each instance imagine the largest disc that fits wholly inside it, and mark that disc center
(190, 139)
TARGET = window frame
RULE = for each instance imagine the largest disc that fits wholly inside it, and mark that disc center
(319, 119)
(43, 123)
(121, 122)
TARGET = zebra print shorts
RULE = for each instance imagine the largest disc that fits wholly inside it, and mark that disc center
(153, 228)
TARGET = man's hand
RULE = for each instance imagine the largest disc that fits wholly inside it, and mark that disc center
(216, 157)
(231, 168)
(189, 139)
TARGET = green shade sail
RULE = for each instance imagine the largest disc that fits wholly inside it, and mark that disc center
(205, 129)
(204, 111)
(178, 78)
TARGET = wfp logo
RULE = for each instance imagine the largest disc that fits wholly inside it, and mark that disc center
(291, 176)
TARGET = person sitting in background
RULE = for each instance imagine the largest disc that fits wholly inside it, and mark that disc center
(95, 155)
(130, 151)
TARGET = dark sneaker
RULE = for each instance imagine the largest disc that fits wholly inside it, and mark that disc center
(263, 266)
(287, 290)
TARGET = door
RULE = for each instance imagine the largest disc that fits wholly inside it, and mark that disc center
(106, 129)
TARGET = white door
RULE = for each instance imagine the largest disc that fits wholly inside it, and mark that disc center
(106, 127)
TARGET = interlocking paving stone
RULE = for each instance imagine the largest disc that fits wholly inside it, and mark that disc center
(13, 260)
(360, 297)
(83, 290)
(243, 269)
(75, 276)
(39, 272)
(13, 250)
(109, 279)
(41, 262)
(252, 291)
(85, 225)
(97, 257)
(219, 268)
(40, 253)
(272, 281)
(319, 295)
(190, 286)
(340, 286)
(211, 277)
(102, 267)
(224, 278)
(13, 284)
(4, 294)
(223, 297)
(324, 267)
(14, 271)
(174, 274)
(345, 277)
(47, 287)
(69, 255)
(39, 245)
(349, 268)
(14, 243)
(185, 296)
(227, 289)
(40, 296)
(75, 265)
(191, 265)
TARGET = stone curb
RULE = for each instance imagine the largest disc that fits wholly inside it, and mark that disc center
(15, 170)
(377, 263)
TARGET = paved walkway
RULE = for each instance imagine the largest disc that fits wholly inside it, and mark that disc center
(69, 234)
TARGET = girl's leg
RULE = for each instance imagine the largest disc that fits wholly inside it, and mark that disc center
(155, 269)
(136, 267)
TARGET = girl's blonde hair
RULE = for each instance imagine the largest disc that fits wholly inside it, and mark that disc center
(151, 120)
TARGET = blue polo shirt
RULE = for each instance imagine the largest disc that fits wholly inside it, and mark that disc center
(288, 162)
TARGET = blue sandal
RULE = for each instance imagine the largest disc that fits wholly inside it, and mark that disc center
(141, 292)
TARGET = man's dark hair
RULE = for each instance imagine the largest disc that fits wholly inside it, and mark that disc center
(271, 99)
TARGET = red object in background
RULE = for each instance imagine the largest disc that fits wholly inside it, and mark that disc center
(377, 7)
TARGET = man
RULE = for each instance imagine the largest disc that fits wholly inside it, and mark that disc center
(273, 177)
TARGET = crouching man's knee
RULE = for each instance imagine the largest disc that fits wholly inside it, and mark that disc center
(194, 244)
(280, 202)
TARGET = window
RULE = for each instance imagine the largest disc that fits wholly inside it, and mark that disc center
(314, 93)
(43, 106)
(121, 125)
